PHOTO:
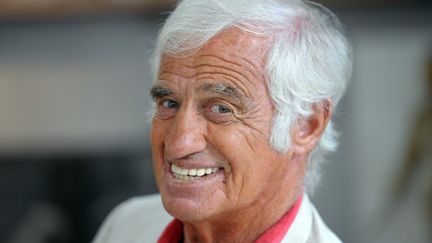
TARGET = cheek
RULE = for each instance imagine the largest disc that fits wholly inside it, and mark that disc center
(242, 149)
(231, 143)
(157, 137)
(157, 132)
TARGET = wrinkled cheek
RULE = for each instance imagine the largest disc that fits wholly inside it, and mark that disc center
(228, 187)
(242, 192)
(157, 148)
(157, 136)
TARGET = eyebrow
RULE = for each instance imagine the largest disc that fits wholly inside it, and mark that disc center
(158, 91)
(225, 90)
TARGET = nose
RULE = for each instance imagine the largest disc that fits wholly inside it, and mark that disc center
(186, 135)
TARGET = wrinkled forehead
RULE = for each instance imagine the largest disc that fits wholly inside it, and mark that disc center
(233, 58)
(232, 45)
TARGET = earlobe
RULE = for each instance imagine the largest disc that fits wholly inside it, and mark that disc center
(307, 131)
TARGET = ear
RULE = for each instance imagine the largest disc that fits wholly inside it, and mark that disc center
(307, 131)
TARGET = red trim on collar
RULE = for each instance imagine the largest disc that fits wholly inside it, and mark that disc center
(174, 231)
(276, 233)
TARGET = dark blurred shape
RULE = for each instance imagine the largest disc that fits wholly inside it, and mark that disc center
(73, 141)
(12, 9)
(64, 198)
(417, 165)
(53, 8)
(374, 3)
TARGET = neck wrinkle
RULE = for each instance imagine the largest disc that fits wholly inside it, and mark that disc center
(254, 222)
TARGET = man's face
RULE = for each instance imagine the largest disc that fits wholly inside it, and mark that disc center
(214, 117)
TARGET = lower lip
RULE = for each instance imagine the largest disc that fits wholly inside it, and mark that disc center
(178, 187)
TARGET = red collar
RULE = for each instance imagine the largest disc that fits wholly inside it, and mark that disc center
(174, 231)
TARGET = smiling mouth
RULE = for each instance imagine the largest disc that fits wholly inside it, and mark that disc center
(191, 174)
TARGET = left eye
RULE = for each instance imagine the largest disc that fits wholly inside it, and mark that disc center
(219, 114)
(220, 109)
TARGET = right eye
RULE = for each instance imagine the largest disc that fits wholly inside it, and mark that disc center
(167, 108)
(169, 104)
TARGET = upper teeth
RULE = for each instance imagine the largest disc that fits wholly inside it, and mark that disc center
(192, 172)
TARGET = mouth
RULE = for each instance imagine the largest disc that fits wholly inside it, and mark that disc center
(192, 174)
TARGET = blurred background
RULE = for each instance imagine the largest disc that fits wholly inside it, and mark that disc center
(74, 82)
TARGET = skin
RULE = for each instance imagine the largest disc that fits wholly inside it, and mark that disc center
(198, 124)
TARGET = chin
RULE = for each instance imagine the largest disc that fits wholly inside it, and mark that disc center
(187, 210)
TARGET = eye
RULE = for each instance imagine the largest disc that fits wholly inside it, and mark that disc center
(166, 108)
(219, 113)
(170, 104)
(220, 109)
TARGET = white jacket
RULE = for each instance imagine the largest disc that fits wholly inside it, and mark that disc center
(143, 219)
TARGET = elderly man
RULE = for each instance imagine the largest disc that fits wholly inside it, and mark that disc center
(244, 92)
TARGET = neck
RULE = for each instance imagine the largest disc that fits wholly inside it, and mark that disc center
(244, 226)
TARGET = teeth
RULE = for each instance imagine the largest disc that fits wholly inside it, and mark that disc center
(209, 171)
(191, 174)
(183, 177)
(176, 169)
(201, 172)
(184, 172)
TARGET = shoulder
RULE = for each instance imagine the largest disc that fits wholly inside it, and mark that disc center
(139, 219)
(320, 231)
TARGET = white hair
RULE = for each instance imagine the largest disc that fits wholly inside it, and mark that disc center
(309, 59)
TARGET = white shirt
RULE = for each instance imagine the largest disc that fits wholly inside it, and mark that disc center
(143, 219)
